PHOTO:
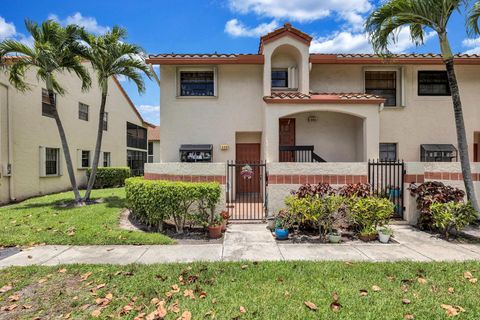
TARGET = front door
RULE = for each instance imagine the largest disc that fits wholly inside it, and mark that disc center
(287, 138)
(248, 153)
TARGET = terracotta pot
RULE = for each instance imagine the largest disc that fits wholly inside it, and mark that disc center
(224, 225)
(215, 232)
(367, 237)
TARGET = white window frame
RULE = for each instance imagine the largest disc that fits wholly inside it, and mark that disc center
(197, 69)
(43, 162)
(400, 96)
(109, 159)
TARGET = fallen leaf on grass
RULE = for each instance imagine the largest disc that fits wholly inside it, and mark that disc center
(154, 301)
(174, 307)
(85, 276)
(409, 316)
(126, 309)
(5, 288)
(451, 290)
(62, 270)
(473, 280)
(203, 295)
(452, 310)
(96, 313)
(422, 280)
(243, 310)
(467, 275)
(376, 288)
(14, 297)
(406, 301)
(189, 293)
(363, 293)
(186, 315)
(335, 306)
(9, 308)
(175, 288)
(161, 310)
(140, 316)
(43, 280)
(245, 266)
(311, 305)
(26, 306)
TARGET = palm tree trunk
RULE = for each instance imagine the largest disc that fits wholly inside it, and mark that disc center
(66, 150)
(98, 145)
(461, 133)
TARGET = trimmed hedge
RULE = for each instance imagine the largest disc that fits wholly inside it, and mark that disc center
(110, 177)
(153, 201)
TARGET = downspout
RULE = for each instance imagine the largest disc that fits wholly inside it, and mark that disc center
(11, 189)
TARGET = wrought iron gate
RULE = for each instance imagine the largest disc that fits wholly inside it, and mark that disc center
(246, 190)
(387, 180)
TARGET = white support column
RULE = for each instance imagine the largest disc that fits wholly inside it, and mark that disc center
(271, 136)
(371, 136)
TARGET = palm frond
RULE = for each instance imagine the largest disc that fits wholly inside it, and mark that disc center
(472, 19)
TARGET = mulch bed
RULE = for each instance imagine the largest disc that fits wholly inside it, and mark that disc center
(311, 236)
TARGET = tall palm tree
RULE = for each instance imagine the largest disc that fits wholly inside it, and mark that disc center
(111, 56)
(383, 26)
(53, 52)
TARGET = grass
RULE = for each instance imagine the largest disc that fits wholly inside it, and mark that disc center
(266, 290)
(43, 220)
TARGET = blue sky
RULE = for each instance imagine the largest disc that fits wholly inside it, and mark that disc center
(207, 26)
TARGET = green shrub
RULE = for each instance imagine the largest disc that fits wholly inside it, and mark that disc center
(452, 216)
(153, 201)
(110, 177)
(369, 213)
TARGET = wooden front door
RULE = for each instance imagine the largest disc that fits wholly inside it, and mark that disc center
(248, 153)
(475, 152)
(287, 138)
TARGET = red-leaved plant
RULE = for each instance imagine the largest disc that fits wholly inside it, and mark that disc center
(359, 190)
(430, 192)
(321, 189)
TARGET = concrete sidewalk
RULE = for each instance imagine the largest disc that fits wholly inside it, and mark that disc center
(255, 243)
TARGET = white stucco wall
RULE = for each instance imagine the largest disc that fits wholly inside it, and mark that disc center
(31, 130)
(179, 168)
(211, 120)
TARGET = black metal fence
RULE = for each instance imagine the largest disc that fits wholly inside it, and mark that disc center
(387, 180)
(246, 190)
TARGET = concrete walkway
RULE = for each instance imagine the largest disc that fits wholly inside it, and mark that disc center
(255, 243)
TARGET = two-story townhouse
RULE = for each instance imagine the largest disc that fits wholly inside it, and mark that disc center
(31, 157)
(285, 104)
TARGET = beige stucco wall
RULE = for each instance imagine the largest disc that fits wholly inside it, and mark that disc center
(31, 130)
(156, 151)
(211, 120)
(4, 180)
(417, 120)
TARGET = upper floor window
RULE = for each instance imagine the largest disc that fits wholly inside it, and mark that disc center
(48, 105)
(105, 121)
(136, 136)
(384, 84)
(197, 83)
(433, 83)
(82, 111)
(280, 78)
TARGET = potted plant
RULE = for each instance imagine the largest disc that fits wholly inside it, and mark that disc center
(334, 236)
(215, 227)
(225, 216)
(384, 234)
(282, 224)
(368, 234)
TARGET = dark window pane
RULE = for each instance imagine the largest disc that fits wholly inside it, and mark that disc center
(106, 159)
(382, 83)
(83, 111)
(136, 136)
(48, 107)
(433, 83)
(279, 78)
(197, 83)
(51, 161)
(85, 159)
(388, 151)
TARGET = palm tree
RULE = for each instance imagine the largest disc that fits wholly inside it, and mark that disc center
(110, 56)
(383, 26)
(53, 52)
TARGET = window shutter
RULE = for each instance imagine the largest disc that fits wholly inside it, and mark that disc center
(100, 160)
(60, 162)
(41, 158)
(79, 159)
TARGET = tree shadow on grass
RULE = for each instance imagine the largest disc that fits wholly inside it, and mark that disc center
(68, 204)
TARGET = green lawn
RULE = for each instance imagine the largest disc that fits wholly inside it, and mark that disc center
(44, 220)
(265, 290)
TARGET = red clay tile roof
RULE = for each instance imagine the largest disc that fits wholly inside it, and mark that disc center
(205, 58)
(153, 133)
(314, 97)
(287, 29)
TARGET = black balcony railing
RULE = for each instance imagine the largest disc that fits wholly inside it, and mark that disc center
(299, 154)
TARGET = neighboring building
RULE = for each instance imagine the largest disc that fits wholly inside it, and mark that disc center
(31, 157)
(153, 135)
(284, 104)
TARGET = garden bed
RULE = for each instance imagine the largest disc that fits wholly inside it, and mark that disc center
(310, 237)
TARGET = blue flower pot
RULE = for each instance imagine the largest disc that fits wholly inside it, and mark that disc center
(281, 234)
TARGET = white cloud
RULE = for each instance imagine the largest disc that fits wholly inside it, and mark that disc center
(299, 10)
(7, 29)
(236, 28)
(89, 23)
(472, 44)
(348, 42)
(150, 113)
